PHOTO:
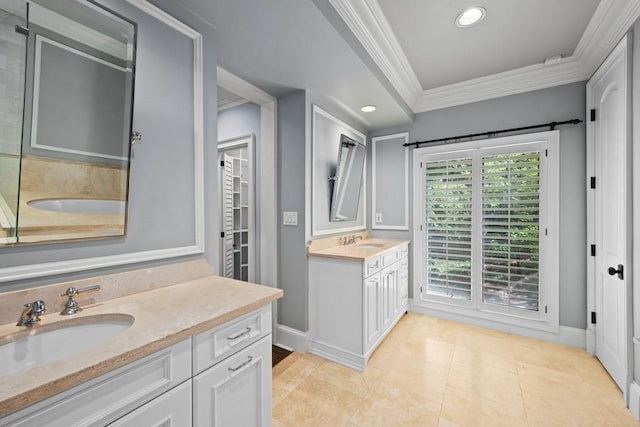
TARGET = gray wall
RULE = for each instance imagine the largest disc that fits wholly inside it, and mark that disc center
(161, 211)
(542, 106)
(294, 180)
(293, 124)
(636, 191)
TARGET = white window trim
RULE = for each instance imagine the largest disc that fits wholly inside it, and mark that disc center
(549, 293)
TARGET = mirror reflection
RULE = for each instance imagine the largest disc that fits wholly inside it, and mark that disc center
(347, 181)
(66, 124)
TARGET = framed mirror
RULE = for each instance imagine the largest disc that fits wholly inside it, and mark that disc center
(347, 181)
(71, 85)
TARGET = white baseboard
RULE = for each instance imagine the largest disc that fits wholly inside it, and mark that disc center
(573, 337)
(338, 355)
(634, 399)
(291, 339)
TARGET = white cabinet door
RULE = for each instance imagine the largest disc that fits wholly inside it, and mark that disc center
(236, 391)
(387, 279)
(372, 310)
(172, 409)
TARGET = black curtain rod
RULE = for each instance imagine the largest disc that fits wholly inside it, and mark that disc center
(551, 126)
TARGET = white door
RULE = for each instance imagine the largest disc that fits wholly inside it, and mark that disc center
(227, 215)
(611, 153)
(236, 391)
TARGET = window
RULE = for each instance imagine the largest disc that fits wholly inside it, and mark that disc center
(488, 215)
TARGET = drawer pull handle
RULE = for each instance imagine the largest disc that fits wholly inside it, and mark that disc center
(241, 334)
(242, 365)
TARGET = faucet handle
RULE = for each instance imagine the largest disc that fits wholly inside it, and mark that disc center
(73, 291)
(37, 307)
(71, 306)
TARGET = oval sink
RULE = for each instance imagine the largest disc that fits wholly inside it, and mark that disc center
(44, 344)
(370, 245)
(81, 206)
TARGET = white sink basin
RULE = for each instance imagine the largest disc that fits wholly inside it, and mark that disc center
(81, 206)
(44, 344)
(369, 245)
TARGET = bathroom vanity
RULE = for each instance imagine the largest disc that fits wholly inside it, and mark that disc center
(357, 293)
(195, 353)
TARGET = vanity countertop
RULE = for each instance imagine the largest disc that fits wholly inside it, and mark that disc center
(163, 317)
(355, 251)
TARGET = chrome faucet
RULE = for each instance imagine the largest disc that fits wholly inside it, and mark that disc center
(350, 240)
(71, 306)
(31, 313)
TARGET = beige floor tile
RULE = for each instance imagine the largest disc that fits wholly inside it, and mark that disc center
(486, 381)
(285, 363)
(417, 377)
(340, 376)
(290, 378)
(312, 359)
(389, 406)
(461, 408)
(478, 358)
(431, 371)
(316, 403)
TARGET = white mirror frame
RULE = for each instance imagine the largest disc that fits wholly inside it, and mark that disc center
(61, 267)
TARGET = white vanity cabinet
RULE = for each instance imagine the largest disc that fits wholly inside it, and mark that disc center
(221, 377)
(354, 304)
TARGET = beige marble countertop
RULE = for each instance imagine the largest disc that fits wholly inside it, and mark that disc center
(354, 251)
(163, 317)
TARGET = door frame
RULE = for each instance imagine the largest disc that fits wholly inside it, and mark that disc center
(622, 49)
(266, 181)
(248, 142)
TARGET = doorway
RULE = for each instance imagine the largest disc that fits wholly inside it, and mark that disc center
(237, 208)
(609, 216)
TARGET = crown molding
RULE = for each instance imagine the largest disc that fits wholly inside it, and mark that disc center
(370, 26)
(610, 22)
(365, 18)
(526, 79)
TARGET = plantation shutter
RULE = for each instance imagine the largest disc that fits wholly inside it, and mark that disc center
(511, 229)
(448, 230)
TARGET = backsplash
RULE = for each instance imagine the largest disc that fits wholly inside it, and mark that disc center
(329, 242)
(112, 286)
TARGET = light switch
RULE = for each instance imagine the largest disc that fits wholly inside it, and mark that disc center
(290, 218)
(378, 218)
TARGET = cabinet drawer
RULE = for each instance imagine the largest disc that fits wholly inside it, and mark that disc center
(390, 257)
(171, 409)
(372, 266)
(237, 391)
(110, 396)
(214, 345)
(404, 264)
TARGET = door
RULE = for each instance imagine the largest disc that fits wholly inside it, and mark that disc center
(237, 208)
(372, 305)
(236, 391)
(611, 154)
(227, 215)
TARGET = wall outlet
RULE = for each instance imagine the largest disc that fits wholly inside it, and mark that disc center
(290, 218)
(378, 218)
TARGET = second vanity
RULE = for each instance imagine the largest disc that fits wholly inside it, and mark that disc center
(357, 291)
(198, 352)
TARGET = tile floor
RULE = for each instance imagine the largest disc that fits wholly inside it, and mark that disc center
(432, 372)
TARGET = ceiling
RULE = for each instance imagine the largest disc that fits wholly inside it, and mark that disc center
(407, 56)
(513, 34)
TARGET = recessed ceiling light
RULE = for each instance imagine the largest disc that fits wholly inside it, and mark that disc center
(470, 17)
(368, 108)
